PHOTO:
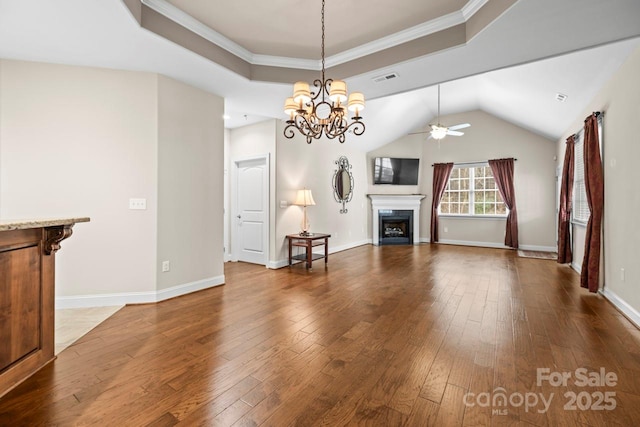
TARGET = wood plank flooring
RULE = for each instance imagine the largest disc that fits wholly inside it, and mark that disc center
(384, 336)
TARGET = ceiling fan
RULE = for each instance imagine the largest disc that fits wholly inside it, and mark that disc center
(438, 131)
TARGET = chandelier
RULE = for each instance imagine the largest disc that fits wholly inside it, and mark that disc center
(323, 110)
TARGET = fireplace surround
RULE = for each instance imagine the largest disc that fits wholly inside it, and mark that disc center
(401, 215)
(396, 227)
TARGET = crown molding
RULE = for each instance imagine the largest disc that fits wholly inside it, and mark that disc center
(421, 30)
(283, 61)
(171, 12)
(470, 9)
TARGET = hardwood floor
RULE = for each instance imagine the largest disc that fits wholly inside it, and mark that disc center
(385, 336)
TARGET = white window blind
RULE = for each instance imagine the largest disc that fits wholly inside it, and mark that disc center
(580, 210)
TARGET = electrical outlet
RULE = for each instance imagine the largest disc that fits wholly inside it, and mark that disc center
(446, 229)
(138, 204)
(622, 274)
(166, 266)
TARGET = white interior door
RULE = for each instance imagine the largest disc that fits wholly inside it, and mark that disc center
(250, 220)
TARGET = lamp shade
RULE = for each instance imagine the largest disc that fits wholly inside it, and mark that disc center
(338, 91)
(356, 102)
(304, 198)
(301, 92)
(290, 107)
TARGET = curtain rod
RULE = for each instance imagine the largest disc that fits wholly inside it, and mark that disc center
(472, 163)
(599, 115)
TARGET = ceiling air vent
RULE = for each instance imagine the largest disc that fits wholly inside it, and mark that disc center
(561, 97)
(386, 77)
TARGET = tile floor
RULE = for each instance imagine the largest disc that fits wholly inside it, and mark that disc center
(72, 323)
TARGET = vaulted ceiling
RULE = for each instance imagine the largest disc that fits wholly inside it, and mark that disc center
(507, 57)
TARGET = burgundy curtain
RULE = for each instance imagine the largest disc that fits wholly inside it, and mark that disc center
(503, 174)
(441, 173)
(566, 195)
(594, 184)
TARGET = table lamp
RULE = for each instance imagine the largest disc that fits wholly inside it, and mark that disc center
(304, 198)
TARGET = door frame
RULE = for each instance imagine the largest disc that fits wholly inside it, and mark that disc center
(235, 247)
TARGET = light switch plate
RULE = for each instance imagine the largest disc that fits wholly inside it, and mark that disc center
(138, 204)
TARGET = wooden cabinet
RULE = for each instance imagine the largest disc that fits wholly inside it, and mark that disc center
(20, 294)
(27, 274)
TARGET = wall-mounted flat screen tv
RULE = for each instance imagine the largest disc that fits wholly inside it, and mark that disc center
(395, 171)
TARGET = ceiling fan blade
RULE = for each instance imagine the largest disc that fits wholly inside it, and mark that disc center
(460, 126)
(420, 133)
(454, 132)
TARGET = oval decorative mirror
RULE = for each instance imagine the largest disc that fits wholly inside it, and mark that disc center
(343, 183)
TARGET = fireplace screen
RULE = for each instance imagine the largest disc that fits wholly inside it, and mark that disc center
(396, 227)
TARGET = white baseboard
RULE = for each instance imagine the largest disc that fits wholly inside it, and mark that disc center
(274, 265)
(491, 245)
(539, 248)
(285, 262)
(471, 243)
(333, 250)
(631, 313)
(576, 267)
(107, 300)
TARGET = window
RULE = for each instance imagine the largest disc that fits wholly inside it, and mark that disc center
(581, 210)
(472, 191)
(580, 206)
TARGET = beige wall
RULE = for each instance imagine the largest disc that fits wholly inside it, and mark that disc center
(190, 185)
(250, 141)
(312, 166)
(80, 141)
(618, 99)
(487, 138)
(294, 165)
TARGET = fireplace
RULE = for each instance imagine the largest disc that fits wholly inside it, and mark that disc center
(396, 218)
(396, 227)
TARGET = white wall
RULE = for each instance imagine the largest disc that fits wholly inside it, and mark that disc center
(487, 138)
(80, 141)
(618, 99)
(312, 166)
(226, 197)
(190, 184)
(250, 141)
(294, 165)
(77, 141)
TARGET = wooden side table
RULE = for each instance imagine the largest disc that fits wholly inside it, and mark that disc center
(308, 242)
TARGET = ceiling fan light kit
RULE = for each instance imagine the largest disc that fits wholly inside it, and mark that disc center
(323, 110)
(438, 131)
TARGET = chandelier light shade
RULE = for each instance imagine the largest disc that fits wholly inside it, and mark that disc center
(323, 110)
(304, 198)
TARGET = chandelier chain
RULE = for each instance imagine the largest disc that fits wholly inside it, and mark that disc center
(323, 42)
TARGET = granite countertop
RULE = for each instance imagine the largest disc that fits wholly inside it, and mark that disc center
(22, 224)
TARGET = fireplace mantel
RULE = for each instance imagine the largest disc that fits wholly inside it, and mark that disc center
(396, 202)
